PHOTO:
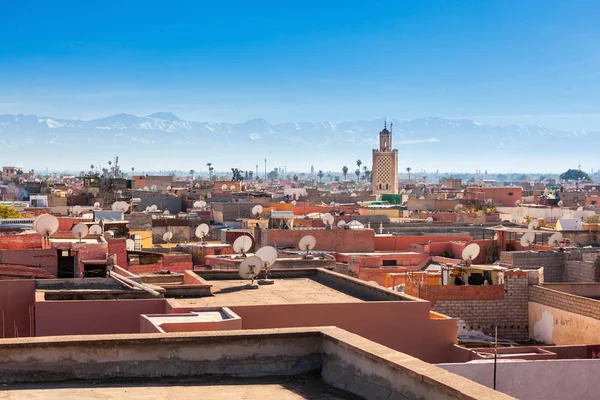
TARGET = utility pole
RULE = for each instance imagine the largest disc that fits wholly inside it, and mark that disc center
(265, 169)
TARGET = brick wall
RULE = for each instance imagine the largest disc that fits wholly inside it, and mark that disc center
(564, 301)
(553, 262)
(487, 309)
(582, 271)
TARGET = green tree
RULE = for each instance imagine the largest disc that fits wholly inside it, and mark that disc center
(408, 169)
(345, 171)
(574, 175)
(357, 172)
(8, 212)
(320, 175)
(358, 163)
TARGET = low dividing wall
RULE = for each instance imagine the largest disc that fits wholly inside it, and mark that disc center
(344, 360)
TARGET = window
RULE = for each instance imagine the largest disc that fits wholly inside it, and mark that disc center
(389, 263)
(510, 193)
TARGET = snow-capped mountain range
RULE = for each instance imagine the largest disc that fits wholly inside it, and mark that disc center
(163, 138)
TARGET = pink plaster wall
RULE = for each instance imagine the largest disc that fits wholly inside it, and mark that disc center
(17, 299)
(340, 240)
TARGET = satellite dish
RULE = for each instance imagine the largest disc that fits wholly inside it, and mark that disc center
(555, 239)
(148, 209)
(267, 254)
(489, 201)
(77, 210)
(328, 219)
(422, 198)
(429, 220)
(97, 206)
(168, 236)
(257, 210)
(332, 204)
(169, 187)
(196, 204)
(353, 195)
(527, 239)
(560, 203)
(202, 203)
(580, 208)
(294, 202)
(533, 224)
(402, 191)
(517, 203)
(153, 187)
(80, 231)
(130, 244)
(146, 188)
(249, 269)
(232, 187)
(70, 191)
(458, 207)
(166, 212)
(208, 195)
(154, 208)
(119, 192)
(470, 252)
(202, 231)
(224, 186)
(496, 236)
(307, 243)
(341, 224)
(46, 225)
(242, 244)
(95, 230)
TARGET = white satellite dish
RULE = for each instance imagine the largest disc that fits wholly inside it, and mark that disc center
(242, 244)
(232, 187)
(257, 210)
(579, 208)
(517, 203)
(130, 244)
(422, 198)
(97, 205)
(560, 203)
(307, 243)
(154, 208)
(202, 231)
(208, 195)
(119, 192)
(169, 187)
(294, 202)
(224, 186)
(458, 207)
(80, 231)
(471, 252)
(168, 236)
(148, 209)
(46, 225)
(533, 224)
(77, 210)
(327, 219)
(249, 269)
(267, 254)
(332, 204)
(70, 191)
(489, 201)
(95, 230)
(496, 236)
(527, 239)
(202, 203)
(146, 188)
(166, 212)
(196, 204)
(555, 239)
(153, 187)
(341, 224)
(353, 195)
(402, 191)
(429, 220)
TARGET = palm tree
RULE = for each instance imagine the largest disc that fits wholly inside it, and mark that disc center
(358, 163)
(320, 175)
(408, 169)
(92, 167)
(345, 171)
(192, 172)
(357, 172)
(210, 168)
(365, 172)
(250, 173)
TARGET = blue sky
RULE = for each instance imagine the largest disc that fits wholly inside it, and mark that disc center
(494, 61)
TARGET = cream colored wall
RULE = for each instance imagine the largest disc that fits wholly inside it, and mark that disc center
(553, 326)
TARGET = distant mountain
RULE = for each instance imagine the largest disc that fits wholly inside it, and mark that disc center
(162, 139)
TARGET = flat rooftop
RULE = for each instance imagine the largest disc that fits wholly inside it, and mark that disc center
(283, 291)
(292, 388)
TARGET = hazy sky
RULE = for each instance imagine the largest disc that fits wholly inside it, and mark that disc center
(495, 61)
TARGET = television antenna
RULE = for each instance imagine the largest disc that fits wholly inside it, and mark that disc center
(470, 252)
(527, 239)
(202, 232)
(341, 224)
(130, 244)
(46, 225)
(268, 255)
(257, 211)
(554, 240)
(95, 230)
(80, 231)
(307, 243)
(242, 244)
(533, 224)
(327, 220)
(249, 269)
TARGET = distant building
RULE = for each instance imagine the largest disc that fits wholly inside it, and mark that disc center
(385, 165)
